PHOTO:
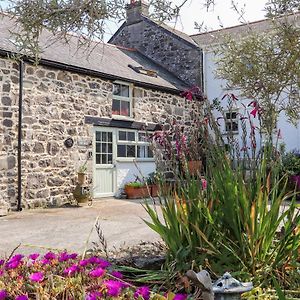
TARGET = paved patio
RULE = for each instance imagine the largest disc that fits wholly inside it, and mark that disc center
(69, 228)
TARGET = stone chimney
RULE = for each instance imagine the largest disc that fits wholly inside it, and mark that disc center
(135, 9)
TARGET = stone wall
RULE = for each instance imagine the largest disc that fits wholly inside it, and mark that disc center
(180, 57)
(54, 108)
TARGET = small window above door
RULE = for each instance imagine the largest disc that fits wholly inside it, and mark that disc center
(122, 100)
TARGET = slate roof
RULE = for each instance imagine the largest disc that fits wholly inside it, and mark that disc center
(239, 31)
(105, 60)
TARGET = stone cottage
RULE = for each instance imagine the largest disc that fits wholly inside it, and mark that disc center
(96, 108)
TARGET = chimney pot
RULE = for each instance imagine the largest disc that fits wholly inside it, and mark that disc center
(135, 10)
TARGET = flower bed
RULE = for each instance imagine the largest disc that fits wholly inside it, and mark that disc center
(66, 276)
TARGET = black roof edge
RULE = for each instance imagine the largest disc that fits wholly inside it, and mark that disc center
(84, 71)
(172, 33)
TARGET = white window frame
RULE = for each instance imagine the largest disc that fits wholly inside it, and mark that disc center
(236, 120)
(121, 98)
(136, 143)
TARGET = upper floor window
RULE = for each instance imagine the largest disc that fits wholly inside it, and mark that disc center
(231, 121)
(122, 100)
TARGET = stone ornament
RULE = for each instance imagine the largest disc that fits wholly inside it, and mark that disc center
(69, 142)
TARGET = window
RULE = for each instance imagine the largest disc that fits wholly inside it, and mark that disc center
(104, 148)
(231, 121)
(121, 103)
(133, 144)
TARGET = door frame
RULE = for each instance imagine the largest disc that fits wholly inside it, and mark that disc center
(114, 159)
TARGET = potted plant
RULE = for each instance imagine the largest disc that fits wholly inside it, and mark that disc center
(135, 190)
(291, 166)
(81, 174)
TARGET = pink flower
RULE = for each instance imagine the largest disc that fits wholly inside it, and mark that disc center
(36, 277)
(117, 274)
(113, 287)
(3, 294)
(99, 261)
(2, 262)
(204, 184)
(180, 297)
(71, 270)
(143, 292)
(17, 257)
(13, 264)
(64, 256)
(22, 297)
(45, 262)
(97, 272)
(50, 255)
(34, 256)
(73, 255)
(84, 262)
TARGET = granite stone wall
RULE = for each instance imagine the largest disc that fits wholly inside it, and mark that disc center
(54, 108)
(178, 56)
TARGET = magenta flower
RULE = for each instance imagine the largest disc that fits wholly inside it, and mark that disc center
(143, 292)
(36, 277)
(93, 296)
(50, 255)
(64, 256)
(1, 272)
(84, 262)
(13, 264)
(180, 297)
(3, 294)
(99, 261)
(2, 262)
(71, 270)
(34, 256)
(73, 255)
(97, 272)
(17, 257)
(117, 274)
(45, 262)
(113, 287)
(22, 297)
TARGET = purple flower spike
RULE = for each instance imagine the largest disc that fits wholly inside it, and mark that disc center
(180, 297)
(22, 297)
(117, 274)
(97, 272)
(143, 291)
(113, 287)
(34, 256)
(36, 277)
(71, 270)
(3, 294)
(50, 255)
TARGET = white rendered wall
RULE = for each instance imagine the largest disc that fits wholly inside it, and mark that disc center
(216, 88)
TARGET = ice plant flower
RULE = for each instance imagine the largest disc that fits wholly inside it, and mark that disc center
(34, 256)
(36, 277)
(143, 292)
(180, 297)
(3, 294)
(97, 272)
(13, 264)
(71, 270)
(22, 297)
(45, 261)
(17, 257)
(73, 256)
(84, 262)
(64, 256)
(117, 274)
(2, 262)
(113, 287)
(49, 255)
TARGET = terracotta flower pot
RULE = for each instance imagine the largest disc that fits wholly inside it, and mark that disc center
(136, 192)
(81, 178)
(154, 190)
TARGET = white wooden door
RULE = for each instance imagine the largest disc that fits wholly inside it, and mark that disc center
(104, 162)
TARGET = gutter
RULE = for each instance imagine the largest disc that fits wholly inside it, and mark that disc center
(20, 107)
(83, 71)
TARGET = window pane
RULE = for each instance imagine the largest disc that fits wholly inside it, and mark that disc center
(98, 159)
(98, 136)
(109, 159)
(141, 151)
(98, 148)
(142, 137)
(109, 148)
(104, 148)
(125, 108)
(117, 89)
(130, 136)
(121, 151)
(104, 136)
(116, 107)
(109, 136)
(130, 151)
(122, 135)
(104, 159)
(124, 91)
(235, 126)
(150, 152)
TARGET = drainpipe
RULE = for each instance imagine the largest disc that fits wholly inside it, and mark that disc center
(21, 71)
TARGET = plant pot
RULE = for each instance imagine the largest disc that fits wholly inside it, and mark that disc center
(80, 195)
(154, 190)
(81, 178)
(136, 192)
(194, 167)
